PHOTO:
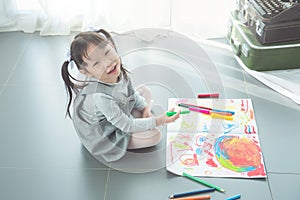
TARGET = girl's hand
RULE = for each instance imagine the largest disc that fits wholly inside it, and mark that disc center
(165, 119)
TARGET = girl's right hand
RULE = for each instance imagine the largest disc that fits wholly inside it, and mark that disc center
(164, 119)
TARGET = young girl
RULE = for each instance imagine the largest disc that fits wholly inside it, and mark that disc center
(109, 115)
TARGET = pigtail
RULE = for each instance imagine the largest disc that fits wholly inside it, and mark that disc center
(68, 84)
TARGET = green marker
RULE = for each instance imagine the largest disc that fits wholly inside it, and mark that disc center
(169, 114)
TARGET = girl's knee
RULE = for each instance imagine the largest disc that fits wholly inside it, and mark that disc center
(144, 91)
(145, 139)
(156, 137)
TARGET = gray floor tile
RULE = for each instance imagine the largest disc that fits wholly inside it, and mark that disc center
(1, 89)
(232, 75)
(52, 183)
(41, 63)
(13, 45)
(186, 58)
(285, 186)
(277, 119)
(35, 132)
(165, 69)
(160, 184)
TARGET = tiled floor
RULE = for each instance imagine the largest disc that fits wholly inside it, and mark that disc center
(41, 157)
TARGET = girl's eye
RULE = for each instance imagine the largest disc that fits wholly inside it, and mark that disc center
(96, 64)
(107, 52)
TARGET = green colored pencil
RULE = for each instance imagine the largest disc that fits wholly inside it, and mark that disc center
(203, 182)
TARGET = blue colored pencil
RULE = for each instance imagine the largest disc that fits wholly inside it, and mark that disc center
(234, 197)
(191, 193)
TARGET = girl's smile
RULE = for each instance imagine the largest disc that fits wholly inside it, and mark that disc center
(113, 69)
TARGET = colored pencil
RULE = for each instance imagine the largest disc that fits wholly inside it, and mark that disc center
(211, 95)
(234, 197)
(184, 194)
(203, 111)
(203, 182)
(194, 198)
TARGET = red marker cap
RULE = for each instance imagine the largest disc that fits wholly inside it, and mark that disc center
(212, 95)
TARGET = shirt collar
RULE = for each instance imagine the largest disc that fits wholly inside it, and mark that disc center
(120, 78)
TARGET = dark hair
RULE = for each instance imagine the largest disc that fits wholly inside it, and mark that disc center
(78, 51)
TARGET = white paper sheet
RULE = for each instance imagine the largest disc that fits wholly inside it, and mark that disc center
(202, 146)
(285, 82)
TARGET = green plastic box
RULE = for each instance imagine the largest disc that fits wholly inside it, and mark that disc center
(257, 56)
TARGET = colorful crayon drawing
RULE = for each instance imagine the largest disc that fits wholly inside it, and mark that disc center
(214, 147)
(238, 154)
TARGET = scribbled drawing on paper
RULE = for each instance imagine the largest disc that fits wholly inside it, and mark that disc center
(229, 126)
(189, 160)
(234, 151)
(237, 154)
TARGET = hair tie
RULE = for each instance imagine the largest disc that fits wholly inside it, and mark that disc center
(97, 30)
(73, 71)
(92, 29)
(68, 55)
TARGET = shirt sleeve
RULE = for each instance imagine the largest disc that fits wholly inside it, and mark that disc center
(110, 109)
(140, 102)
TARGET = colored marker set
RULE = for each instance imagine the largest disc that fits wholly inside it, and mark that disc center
(208, 111)
(212, 188)
(214, 113)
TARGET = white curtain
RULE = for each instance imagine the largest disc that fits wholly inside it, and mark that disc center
(59, 17)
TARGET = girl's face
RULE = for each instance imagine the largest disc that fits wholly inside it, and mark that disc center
(102, 63)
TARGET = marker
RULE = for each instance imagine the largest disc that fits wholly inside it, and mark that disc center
(169, 114)
(222, 113)
(217, 116)
(211, 95)
(203, 111)
(194, 198)
(212, 109)
(191, 193)
(203, 182)
(234, 197)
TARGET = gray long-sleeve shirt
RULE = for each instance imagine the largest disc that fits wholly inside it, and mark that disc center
(102, 117)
